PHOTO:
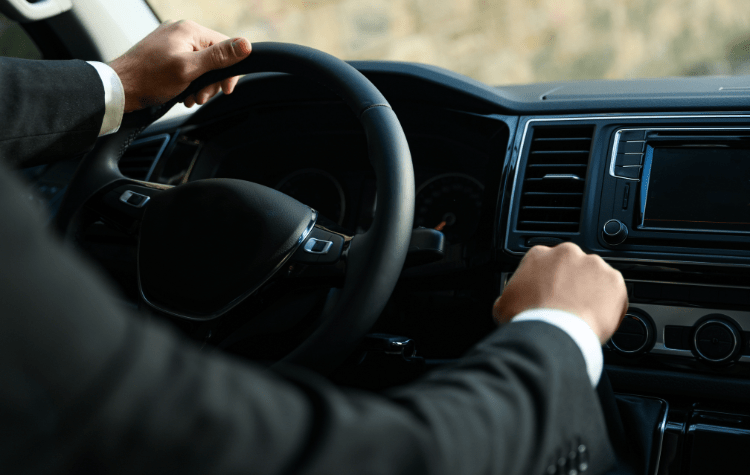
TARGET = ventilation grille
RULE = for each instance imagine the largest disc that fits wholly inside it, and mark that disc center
(553, 185)
(140, 158)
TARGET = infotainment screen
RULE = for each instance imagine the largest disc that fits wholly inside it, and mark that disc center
(696, 188)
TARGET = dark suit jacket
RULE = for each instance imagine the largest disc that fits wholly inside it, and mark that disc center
(85, 387)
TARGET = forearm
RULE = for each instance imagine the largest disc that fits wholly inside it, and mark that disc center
(509, 407)
(502, 409)
(50, 110)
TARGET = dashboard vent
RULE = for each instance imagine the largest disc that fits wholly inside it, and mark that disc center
(553, 185)
(140, 158)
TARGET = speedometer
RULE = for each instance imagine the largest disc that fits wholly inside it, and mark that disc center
(450, 203)
(317, 189)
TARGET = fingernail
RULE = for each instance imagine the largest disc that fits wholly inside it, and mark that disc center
(238, 45)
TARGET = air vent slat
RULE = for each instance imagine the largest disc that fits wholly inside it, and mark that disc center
(140, 158)
(554, 204)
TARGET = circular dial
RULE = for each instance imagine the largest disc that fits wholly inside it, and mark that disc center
(317, 189)
(716, 340)
(633, 335)
(450, 203)
(615, 232)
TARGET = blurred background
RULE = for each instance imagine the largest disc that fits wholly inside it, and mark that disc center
(501, 41)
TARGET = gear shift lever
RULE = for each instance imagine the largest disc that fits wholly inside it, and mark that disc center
(635, 426)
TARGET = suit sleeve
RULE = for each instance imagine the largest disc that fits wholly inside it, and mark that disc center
(88, 388)
(49, 110)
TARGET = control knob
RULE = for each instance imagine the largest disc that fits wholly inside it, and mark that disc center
(634, 336)
(615, 232)
(716, 340)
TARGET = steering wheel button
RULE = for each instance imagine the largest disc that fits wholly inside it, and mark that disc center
(317, 246)
(134, 199)
(321, 246)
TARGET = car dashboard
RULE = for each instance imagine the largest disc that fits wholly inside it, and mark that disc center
(608, 165)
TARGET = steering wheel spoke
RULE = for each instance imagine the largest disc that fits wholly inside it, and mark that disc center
(121, 204)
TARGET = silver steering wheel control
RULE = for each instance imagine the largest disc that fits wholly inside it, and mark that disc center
(320, 247)
(134, 199)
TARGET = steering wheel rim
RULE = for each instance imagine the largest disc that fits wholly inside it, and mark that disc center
(375, 258)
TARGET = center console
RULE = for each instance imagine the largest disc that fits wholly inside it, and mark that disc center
(666, 200)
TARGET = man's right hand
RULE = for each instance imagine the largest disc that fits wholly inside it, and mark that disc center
(565, 278)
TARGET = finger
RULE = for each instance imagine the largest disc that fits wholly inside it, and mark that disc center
(570, 248)
(189, 101)
(207, 93)
(221, 55)
(229, 84)
(496, 316)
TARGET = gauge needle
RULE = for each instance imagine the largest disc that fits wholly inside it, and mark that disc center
(440, 226)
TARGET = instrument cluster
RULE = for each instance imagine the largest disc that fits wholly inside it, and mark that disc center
(448, 202)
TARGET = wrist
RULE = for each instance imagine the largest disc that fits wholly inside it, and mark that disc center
(120, 67)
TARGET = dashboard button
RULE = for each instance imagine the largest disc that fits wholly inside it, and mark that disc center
(612, 227)
(628, 172)
(628, 160)
(631, 147)
(632, 135)
(614, 232)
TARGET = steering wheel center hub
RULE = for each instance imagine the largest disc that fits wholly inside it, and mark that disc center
(205, 246)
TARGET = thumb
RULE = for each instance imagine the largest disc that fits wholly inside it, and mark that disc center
(222, 55)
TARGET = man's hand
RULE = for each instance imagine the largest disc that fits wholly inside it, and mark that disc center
(565, 278)
(165, 62)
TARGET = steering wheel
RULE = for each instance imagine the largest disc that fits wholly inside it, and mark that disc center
(207, 245)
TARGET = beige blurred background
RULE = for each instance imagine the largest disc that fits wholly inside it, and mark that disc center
(501, 41)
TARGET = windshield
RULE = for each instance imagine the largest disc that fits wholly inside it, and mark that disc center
(501, 41)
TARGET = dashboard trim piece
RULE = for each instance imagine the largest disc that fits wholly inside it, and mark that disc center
(663, 315)
(517, 163)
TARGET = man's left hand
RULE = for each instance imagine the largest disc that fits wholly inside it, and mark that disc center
(165, 62)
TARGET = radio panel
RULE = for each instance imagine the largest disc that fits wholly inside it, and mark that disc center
(658, 189)
(679, 180)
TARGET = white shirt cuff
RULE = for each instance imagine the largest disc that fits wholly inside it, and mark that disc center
(578, 330)
(114, 98)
